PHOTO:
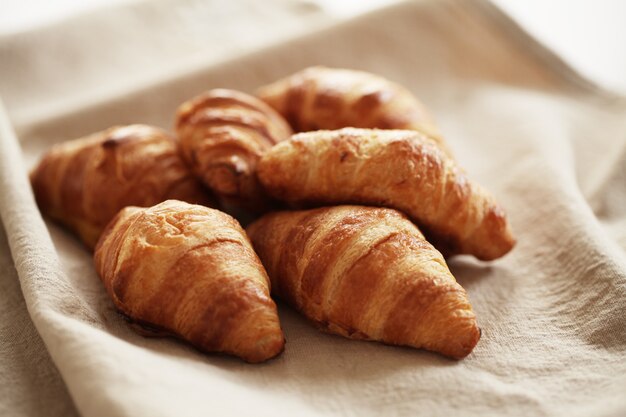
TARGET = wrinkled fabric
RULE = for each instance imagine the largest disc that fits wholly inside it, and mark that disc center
(550, 145)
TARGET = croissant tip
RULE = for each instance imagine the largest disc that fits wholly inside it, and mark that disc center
(468, 343)
(268, 347)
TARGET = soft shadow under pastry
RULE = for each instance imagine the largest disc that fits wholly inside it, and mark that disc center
(190, 272)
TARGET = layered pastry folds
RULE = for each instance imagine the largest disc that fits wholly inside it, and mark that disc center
(189, 271)
(83, 183)
(325, 98)
(392, 168)
(366, 273)
(223, 133)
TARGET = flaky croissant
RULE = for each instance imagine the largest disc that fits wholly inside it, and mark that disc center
(222, 134)
(366, 273)
(83, 183)
(189, 271)
(391, 168)
(330, 98)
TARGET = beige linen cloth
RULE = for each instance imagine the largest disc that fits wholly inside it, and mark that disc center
(549, 145)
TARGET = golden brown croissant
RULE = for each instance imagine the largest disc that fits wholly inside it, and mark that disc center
(189, 271)
(83, 183)
(391, 168)
(223, 133)
(366, 273)
(329, 98)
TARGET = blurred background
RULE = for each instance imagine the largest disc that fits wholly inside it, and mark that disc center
(588, 34)
(76, 48)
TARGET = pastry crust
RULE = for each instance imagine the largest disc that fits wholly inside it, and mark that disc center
(83, 183)
(331, 98)
(366, 273)
(191, 272)
(223, 133)
(391, 168)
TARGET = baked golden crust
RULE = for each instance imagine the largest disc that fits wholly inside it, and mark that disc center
(330, 98)
(223, 133)
(366, 273)
(190, 271)
(391, 168)
(83, 183)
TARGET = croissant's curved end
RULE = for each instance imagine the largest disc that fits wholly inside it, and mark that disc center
(191, 272)
(467, 344)
(268, 344)
(462, 345)
(458, 338)
(496, 233)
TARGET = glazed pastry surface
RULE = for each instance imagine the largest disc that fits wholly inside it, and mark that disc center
(366, 273)
(322, 98)
(83, 183)
(391, 168)
(223, 133)
(190, 271)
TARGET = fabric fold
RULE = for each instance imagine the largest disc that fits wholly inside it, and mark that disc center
(545, 142)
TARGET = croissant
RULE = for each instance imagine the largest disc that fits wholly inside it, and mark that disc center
(392, 168)
(366, 273)
(329, 98)
(83, 183)
(223, 133)
(189, 271)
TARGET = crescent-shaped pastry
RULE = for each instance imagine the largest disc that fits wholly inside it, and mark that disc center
(332, 98)
(189, 271)
(366, 273)
(223, 133)
(390, 168)
(83, 183)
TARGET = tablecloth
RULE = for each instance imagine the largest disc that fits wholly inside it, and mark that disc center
(549, 144)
